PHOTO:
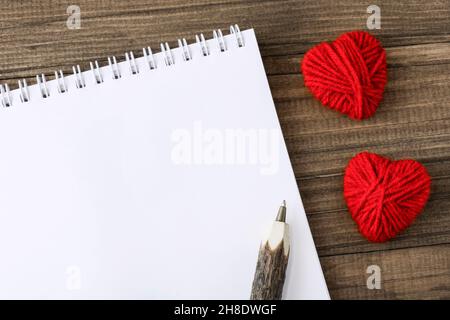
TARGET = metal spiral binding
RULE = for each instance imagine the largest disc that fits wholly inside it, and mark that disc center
(168, 57)
(61, 82)
(42, 83)
(6, 97)
(148, 54)
(217, 34)
(24, 93)
(96, 71)
(202, 43)
(114, 68)
(182, 44)
(79, 80)
(130, 59)
(237, 33)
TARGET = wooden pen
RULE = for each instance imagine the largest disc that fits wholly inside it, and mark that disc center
(272, 261)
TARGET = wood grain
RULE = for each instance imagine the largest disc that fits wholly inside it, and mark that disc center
(413, 120)
(270, 272)
(414, 273)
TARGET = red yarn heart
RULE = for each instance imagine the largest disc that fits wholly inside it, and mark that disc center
(348, 75)
(383, 196)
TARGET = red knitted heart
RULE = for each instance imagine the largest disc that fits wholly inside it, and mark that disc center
(348, 75)
(383, 196)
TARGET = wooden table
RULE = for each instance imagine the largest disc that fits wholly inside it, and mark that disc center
(412, 121)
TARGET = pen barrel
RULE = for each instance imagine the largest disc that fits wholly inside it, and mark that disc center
(271, 265)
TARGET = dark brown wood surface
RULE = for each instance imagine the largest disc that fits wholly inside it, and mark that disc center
(412, 121)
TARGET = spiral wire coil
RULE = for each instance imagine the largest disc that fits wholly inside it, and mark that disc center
(168, 58)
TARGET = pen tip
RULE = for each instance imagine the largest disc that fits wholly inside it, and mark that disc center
(281, 216)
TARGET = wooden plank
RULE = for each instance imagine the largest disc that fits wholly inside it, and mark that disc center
(412, 121)
(416, 273)
(35, 38)
(331, 199)
(335, 233)
(403, 56)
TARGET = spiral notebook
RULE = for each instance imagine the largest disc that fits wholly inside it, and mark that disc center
(151, 178)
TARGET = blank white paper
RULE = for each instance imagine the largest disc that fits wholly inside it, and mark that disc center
(95, 202)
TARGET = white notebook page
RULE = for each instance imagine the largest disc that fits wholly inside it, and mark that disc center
(117, 190)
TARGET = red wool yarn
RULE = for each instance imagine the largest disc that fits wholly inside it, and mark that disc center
(383, 196)
(347, 75)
